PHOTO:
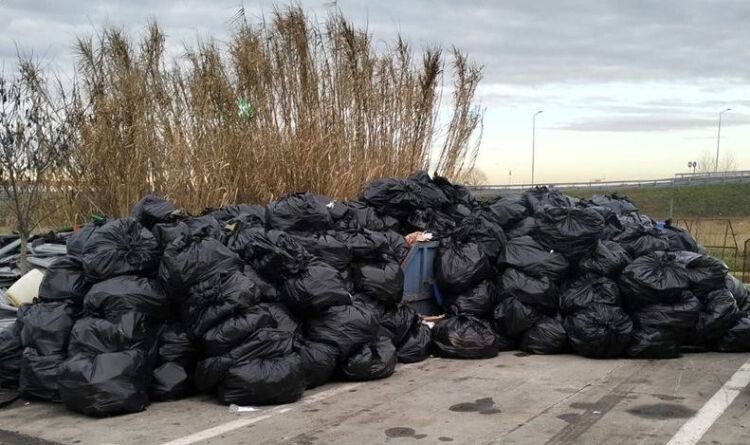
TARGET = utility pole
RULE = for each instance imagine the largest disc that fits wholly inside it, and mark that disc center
(533, 142)
(718, 141)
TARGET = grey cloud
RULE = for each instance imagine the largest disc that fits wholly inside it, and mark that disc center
(650, 123)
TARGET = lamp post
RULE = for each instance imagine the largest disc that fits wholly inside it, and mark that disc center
(718, 141)
(533, 142)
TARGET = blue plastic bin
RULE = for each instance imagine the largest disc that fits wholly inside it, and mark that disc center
(420, 289)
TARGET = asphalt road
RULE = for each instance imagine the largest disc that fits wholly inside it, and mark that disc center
(512, 399)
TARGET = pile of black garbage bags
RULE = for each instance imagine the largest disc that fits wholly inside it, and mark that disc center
(255, 304)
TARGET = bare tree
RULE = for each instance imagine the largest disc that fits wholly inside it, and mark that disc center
(707, 162)
(34, 137)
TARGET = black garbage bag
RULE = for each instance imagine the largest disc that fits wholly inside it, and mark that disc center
(39, 377)
(538, 292)
(189, 261)
(106, 384)
(479, 300)
(165, 233)
(216, 298)
(199, 227)
(416, 345)
(170, 381)
(270, 253)
(370, 361)
(318, 361)
(513, 317)
(464, 336)
(382, 280)
(364, 244)
(653, 343)
(739, 292)
(719, 313)
(680, 317)
(612, 224)
(508, 210)
(396, 323)
(64, 280)
(79, 238)
(46, 327)
(152, 209)
(397, 243)
(285, 320)
(607, 259)
(429, 220)
(539, 197)
(432, 194)
(120, 247)
(599, 331)
(639, 240)
(266, 380)
(10, 356)
(658, 277)
(525, 227)
(314, 289)
(328, 248)
(706, 273)
(588, 290)
(479, 228)
(244, 212)
(119, 295)
(232, 331)
(359, 215)
(394, 197)
(461, 266)
(345, 326)
(175, 346)
(547, 336)
(91, 336)
(299, 212)
(737, 338)
(504, 342)
(620, 204)
(571, 231)
(525, 254)
(267, 291)
(679, 238)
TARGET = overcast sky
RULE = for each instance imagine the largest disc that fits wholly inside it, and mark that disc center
(629, 88)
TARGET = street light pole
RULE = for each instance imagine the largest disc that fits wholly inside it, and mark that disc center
(718, 141)
(533, 143)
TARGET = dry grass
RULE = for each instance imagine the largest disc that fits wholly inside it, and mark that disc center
(330, 114)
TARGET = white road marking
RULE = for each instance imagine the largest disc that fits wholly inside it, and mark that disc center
(240, 423)
(693, 430)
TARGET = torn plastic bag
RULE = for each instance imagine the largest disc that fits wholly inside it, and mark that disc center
(416, 345)
(120, 247)
(371, 361)
(599, 331)
(345, 327)
(547, 336)
(315, 288)
(318, 361)
(152, 209)
(620, 204)
(479, 300)
(299, 212)
(64, 280)
(120, 295)
(39, 375)
(79, 238)
(364, 244)
(189, 261)
(382, 280)
(679, 317)
(653, 279)
(513, 317)
(480, 228)
(508, 210)
(10, 356)
(571, 231)
(525, 227)
(106, 384)
(737, 338)
(539, 292)
(170, 381)
(232, 331)
(680, 239)
(215, 299)
(588, 290)
(461, 266)
(639, 240)
(46, 327)
(706, 273)
(527, 255)
(739, 292)
(328, 248)
(608, 259)
(719, 313)
(464, 336)
(396, 323)
(274, 380)
(650, 343)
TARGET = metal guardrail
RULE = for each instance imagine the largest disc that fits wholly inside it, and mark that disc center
(679, 179)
